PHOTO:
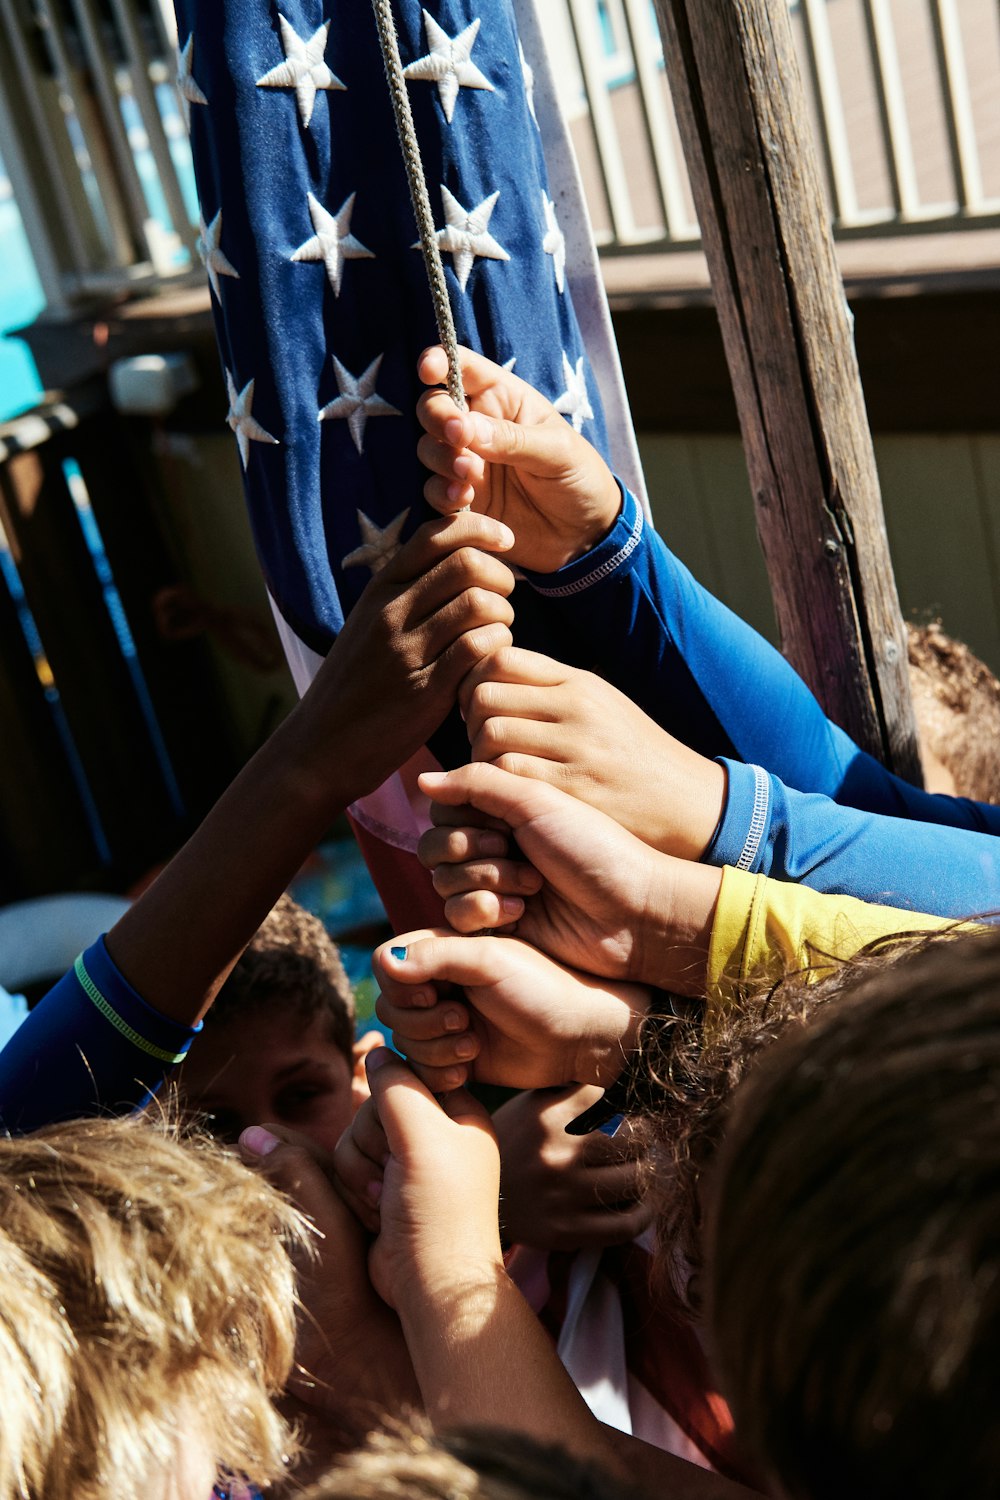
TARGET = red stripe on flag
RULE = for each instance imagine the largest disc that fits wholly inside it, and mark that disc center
(408, 896)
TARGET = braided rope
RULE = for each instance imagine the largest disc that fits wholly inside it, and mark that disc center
(417, 180)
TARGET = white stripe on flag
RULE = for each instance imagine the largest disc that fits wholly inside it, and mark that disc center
(583, 271)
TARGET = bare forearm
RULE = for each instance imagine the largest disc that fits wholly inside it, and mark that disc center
(482, 1358)
(657, 1473)
(672, 936)
(432, 613)
(674, 933)
(181, 938)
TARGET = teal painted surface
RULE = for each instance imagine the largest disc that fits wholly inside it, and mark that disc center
(21, 297)
(21, 300)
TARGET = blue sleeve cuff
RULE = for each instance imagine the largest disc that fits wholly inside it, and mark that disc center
(770, 829)
(91, 1045)
(610, 557)
(741, 837)
(124, 1008)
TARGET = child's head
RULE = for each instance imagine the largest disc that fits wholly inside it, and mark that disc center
(278, 1044)
(147, 1314)
(956, 701)
(413, 1463)
(853, 1238)
(688, 1077)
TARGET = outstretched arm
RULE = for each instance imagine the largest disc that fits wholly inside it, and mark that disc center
(386, 684)
(479, 1352)
(537, 718)
(769, 829)
(765, 929)
(109, 1030)
(622, 605)
(749, 927)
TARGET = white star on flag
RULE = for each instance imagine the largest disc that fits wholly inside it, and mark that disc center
(379, 546)
(465, 234)
(333, 242)
(303, 69)
(189, 91)
(449, 64)
(574, 402)
(244, 425)
(358, 399)
(528, 74)
(214, 260)
(554, 243)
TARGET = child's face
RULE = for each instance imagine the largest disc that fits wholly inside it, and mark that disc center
(273, 1069)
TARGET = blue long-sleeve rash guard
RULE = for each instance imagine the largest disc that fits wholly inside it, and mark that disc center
(768, 828)
(91, 1045)
(636, 615)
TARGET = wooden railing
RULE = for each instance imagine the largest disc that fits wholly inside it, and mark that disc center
(902, 101)
(93, 138)
(92, 131)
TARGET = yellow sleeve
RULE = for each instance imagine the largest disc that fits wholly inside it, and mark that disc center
(764, 929)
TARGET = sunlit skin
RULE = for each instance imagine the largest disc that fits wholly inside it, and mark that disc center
(275, 1068)
(937, 777)
(193, 1472)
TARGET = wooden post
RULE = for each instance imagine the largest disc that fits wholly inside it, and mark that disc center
(787, 331)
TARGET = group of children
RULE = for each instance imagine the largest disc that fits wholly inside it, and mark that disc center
(734, 1233)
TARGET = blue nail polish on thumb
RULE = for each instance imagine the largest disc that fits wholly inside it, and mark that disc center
(398, 953)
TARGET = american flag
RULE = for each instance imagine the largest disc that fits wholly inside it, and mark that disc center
(320, 296)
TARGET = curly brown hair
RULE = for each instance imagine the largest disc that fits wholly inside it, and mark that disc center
(687, 1076)
(956, 700)
(291, 962)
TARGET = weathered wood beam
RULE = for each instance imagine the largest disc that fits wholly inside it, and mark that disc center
(743, 122)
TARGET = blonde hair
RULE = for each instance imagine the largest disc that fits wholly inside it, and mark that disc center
(145, 1284)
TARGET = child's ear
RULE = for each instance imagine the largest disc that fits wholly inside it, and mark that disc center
(359, 1079)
